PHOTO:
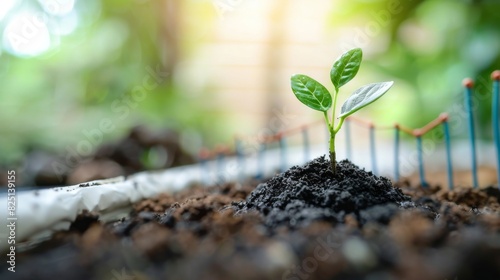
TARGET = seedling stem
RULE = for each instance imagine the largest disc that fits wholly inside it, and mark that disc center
(314, 95)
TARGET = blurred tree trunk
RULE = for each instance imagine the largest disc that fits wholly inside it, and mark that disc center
(171, 32)
(274, 60)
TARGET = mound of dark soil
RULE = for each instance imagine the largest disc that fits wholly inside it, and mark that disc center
(310, 193)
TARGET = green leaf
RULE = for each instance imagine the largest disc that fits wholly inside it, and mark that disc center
(346, 67)
(311, 93)
(364, 96)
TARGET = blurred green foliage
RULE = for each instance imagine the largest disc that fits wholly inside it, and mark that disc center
(101, 52)
(90, 74)
(428, 47)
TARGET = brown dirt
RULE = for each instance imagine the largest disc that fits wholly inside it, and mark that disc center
(195, 234)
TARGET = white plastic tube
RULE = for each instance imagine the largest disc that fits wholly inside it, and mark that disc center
(40, 212)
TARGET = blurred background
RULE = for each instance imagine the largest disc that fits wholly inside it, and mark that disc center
(92, 89)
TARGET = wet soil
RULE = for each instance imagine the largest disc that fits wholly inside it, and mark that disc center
(303, 224)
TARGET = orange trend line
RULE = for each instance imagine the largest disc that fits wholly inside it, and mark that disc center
(431, 125)
(296, 129)
(404, 129)
(360, 121)
(443, 117)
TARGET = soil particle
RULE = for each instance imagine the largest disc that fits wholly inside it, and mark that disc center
(307, 193)
(411, 229)
(84, 221)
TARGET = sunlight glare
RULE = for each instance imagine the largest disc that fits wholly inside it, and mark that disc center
(26, 35)
(57, 7)
(6, 6)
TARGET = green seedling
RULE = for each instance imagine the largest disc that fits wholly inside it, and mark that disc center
(316, 96)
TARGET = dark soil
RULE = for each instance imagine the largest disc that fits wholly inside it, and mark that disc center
(310, 193)
(306, 226)
(142, 149)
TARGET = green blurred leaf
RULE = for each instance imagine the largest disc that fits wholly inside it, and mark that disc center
(311, 93)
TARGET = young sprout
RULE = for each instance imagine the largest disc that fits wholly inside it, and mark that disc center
(316, 96)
